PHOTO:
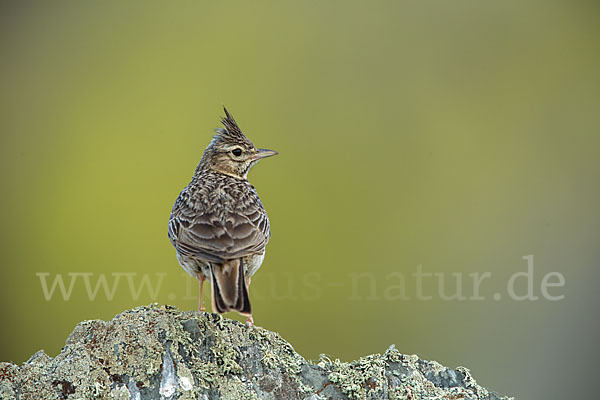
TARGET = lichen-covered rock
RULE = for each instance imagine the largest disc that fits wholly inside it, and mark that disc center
(158, 352)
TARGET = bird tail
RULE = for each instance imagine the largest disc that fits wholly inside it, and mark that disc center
(229, 292)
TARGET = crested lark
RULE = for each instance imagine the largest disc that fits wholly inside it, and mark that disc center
(218, 225)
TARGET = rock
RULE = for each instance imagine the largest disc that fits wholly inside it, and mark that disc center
(159, 352)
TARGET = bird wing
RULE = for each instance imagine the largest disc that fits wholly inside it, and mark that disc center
(217, 237)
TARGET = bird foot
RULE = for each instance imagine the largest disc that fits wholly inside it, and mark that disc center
(250, 321)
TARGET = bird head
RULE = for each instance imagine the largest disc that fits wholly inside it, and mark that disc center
(230, 152)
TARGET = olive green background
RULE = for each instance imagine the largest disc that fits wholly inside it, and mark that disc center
(455, 135)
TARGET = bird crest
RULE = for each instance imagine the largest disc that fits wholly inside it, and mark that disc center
(231, 131)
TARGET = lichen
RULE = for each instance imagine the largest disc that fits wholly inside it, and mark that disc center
(225, 356)
(358, 378)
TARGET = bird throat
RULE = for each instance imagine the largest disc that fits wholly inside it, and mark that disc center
(227, 171)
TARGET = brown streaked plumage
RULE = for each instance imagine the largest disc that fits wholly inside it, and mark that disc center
(218, 225)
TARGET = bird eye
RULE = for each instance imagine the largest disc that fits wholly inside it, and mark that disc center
(236, 152)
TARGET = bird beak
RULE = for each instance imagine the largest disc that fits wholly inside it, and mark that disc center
(263, 153)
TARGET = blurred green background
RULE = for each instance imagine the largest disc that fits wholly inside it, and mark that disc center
(459, 136)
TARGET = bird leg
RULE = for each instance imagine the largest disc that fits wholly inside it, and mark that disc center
(201, 279)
